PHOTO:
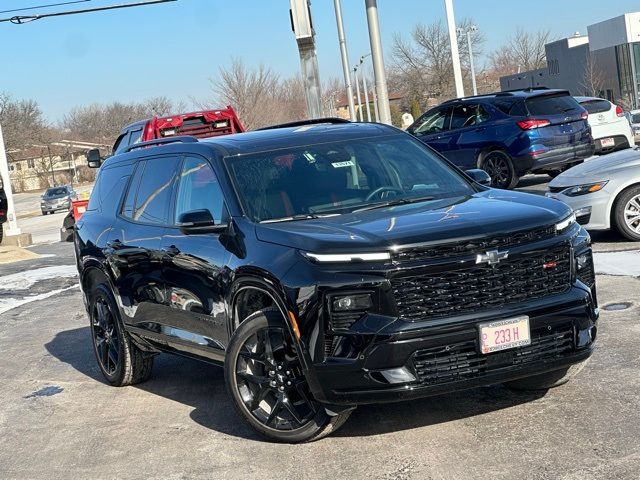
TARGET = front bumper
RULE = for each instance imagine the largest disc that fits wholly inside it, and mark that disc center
(54, 207)
(592, 209)
(452, 352)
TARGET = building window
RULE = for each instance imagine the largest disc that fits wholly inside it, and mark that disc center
(11, 167)
(31, 163)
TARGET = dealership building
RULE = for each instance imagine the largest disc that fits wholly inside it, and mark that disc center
(605, 62)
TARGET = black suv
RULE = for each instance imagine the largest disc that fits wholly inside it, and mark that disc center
(328, 265)
(509, 134)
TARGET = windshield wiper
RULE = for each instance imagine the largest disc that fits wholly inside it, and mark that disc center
(393, 203)
(301, 216)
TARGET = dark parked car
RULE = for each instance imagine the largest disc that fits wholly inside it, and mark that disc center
(509, 134)
(328, 265)
(57, 198)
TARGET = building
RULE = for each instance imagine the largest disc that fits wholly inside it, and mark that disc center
(605, 62)
(42, 166)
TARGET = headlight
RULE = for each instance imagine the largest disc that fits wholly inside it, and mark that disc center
(584, 189)
(347, 257)
(345, 303)
(566, 223)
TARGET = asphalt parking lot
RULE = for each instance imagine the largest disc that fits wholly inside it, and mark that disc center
(60, 420)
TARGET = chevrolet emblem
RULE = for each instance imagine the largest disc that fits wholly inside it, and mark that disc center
(492, 257)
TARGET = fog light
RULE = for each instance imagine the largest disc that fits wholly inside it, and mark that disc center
(351, 302)
(398, 375)
(582, 261)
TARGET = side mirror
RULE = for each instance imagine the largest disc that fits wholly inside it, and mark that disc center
(199, 221)
(93, 158)
(479, 176)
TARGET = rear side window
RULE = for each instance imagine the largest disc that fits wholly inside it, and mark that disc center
(596, 106)
(551, 104)
(151, 201)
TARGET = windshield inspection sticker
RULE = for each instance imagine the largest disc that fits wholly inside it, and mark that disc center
(346, 163)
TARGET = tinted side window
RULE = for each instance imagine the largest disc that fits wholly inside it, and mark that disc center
(517, 110)
(109, 187)
(198, 189)
(153, 198)
(129, 202)
(463, 116)
(433, 121)
(551, 104)
(596, 106)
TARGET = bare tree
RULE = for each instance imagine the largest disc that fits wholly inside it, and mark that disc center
(522, 51)
(593, 78)
(22, 123)
(424, 64)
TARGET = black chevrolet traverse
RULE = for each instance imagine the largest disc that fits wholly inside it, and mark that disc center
(327, 265)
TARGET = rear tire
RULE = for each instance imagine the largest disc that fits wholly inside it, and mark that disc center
(626, 214)
(545, 381)
(266, 381)
(120, 360)
(499, 166)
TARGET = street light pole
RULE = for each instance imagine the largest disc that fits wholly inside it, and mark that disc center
(468, 32)
(378, 61)
(363, 74)
(355, 78)
(6, 183)
(453, 41)
(345, 59)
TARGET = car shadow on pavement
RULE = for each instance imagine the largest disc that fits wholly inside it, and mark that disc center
(201, 386)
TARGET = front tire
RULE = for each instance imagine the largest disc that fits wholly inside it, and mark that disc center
(121, 362)
(547, 380)
(265, 378)
(500, 168)
(626, 214)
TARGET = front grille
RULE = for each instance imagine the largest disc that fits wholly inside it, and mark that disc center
(461, 361)
(474, 246)
(525, 276)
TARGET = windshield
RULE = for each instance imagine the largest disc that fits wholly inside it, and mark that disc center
(54, 192)
(340, 177)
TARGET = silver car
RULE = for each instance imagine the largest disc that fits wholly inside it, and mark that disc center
(604, 192)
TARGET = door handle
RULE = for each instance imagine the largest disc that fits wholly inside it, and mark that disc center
(171, 250)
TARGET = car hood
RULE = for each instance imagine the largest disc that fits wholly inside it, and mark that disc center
(601, 168)
(484, 214)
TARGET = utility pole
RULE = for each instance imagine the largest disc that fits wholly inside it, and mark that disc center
(355, 77)
(300, 14)
(345, 59)
(53, 175)
(468, 32)
(6, 183)
(375, 104)
(453, 41)
(378, 61)
(364, 85)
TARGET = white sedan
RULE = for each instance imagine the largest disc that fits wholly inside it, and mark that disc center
(609, 127)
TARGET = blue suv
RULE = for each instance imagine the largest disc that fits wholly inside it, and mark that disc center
(509, 134)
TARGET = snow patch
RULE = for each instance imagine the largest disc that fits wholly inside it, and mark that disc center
(24, 280)
(625, 263)
(7, 304)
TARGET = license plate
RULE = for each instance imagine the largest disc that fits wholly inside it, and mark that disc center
(607, 142)
(504, 334)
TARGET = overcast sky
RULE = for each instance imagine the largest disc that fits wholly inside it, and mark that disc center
(173, 49)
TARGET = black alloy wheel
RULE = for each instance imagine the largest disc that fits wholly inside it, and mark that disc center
(106, 335)
(120, 360)
(265, 377)
(499, 167)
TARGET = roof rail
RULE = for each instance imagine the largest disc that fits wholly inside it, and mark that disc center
(312, 121)
(161, 141)
(528, 89)
(468, 98)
